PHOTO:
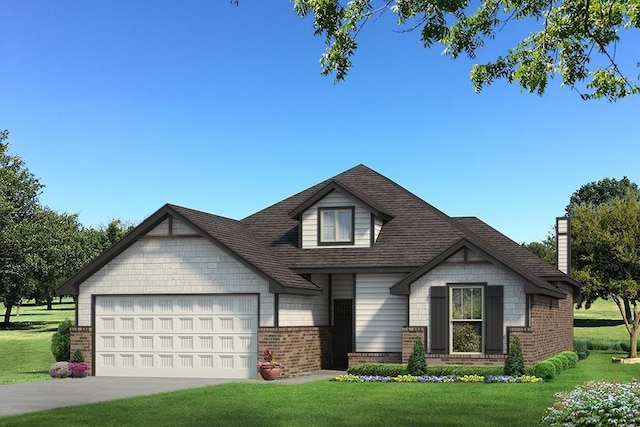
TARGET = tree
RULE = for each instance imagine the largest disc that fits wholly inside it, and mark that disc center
(545, 249)
(63, 248)
(575, 39)
(19, 191)
(606, 257)
(600, 192)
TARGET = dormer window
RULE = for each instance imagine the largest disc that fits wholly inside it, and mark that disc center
(335, 226)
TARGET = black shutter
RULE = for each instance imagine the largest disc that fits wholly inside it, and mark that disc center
(494, 318)
(439, 328)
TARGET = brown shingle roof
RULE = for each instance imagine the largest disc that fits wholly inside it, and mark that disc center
(415, 235)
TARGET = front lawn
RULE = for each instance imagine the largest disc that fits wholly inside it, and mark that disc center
(601, 322)
(25, 348)
(325, 403)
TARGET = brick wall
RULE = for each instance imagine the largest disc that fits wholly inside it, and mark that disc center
(551, 330)
(81, 340)
(299, 349)
(361, 358)
(409, 334)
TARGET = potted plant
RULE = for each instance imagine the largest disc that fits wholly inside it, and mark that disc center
(269, 367)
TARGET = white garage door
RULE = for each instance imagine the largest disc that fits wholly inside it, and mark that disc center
(204, 336)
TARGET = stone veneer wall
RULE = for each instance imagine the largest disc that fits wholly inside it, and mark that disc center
(300, 349)
(81, 339)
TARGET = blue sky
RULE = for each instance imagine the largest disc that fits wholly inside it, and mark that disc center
(119, 107)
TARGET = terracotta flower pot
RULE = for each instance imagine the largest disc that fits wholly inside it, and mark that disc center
(270, 374)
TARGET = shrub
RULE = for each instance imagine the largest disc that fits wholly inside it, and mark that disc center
(485, 371)
(596, 403)
(514, 364)
(557, 364)
(60, 370)
(61, 342)
(417, 364)
(77, 357)
(571, 357)
(379, 369)
(544, 369)
(580, 346)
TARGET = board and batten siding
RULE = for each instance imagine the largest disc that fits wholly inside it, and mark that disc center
(362, 223)
(380, 315)
(303, 310)
(514, 296)
(174, 266)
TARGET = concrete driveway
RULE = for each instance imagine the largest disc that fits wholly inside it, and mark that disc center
(31, 397)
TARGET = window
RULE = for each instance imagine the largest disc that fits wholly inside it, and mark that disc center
(335, 225)
(466, 319)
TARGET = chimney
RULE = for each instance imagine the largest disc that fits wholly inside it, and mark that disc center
(563, 244)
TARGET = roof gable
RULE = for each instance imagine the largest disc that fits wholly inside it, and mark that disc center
(350, 193)
(226, 233)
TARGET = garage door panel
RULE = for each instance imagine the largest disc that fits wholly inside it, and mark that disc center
(181, 336)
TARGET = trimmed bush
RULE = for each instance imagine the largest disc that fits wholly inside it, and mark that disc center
(464, 370)
(580, 346)
(544, 369)
(571, 357)
(417, 364)
(514, 364)
(557, 364)
(77, 357)
(61, 342)
(379, 369)
(596, 404)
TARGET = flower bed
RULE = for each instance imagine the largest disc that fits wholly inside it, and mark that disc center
(350, 378)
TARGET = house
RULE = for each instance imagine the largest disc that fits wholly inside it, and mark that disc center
(345, 272)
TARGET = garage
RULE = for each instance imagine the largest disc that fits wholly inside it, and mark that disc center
(203, 336)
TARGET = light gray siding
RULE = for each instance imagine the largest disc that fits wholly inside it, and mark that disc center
(380, 315)
(174, 266)
(377, 227)
(302, 310)
(362, 224)
(514, 296)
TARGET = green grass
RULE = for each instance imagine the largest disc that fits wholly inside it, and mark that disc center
(601, 322)
(25, 348)
(325, 403)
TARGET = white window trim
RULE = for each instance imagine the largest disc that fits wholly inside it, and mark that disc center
(452, 320)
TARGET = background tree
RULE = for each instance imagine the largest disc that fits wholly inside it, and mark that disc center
(545, 249)
(600, 192)
(606, 257)
(63, 248)
(19, 191)
(575, 39)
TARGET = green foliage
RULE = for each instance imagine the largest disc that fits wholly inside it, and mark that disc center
(606, 257)
(571, 357)
(446, 370)
(558, 364)
(417, 364)
(545, 249)
(77, 357)
(514, 363)
(597, 193)
(566, 39)
(380, 369)
(61, 342)
(544, 369)
(596, 404)
(580, 346)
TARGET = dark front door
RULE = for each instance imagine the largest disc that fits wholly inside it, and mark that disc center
(342, 332)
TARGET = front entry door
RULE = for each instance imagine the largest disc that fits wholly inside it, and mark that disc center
(342, 332)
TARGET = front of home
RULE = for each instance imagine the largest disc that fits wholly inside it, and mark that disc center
(345, 272)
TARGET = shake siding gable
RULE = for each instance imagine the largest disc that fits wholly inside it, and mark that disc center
(174, 266)
(514, 298)
(362, 222)
(380, 315)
